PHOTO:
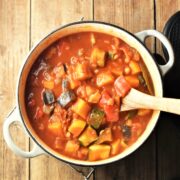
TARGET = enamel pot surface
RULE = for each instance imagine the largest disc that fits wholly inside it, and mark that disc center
(19, 113)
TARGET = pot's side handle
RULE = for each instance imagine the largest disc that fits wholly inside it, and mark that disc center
(146, 33)
(11, 118)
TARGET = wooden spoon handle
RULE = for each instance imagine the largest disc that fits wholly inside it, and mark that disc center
(137, 99)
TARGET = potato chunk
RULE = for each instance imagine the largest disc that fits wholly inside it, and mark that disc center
(115, 147)
(88, 136)
(72, 146)
(99, 152)
(77, 127)
(104, 78)
(55, 126)
(81, 108)
(81, 71)
(135, 68)
(98, 57)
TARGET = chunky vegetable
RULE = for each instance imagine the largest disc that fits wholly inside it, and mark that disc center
(48, 97)
(122, 87)
(112, 113)
(116, 146)
(48, 84)
(99, 152)
(106, 99)
(77, 127)
(133, 81)
(81, 71)
(96, 118)
(126, 130)
(65, 84)
(105, 136)
(93, 94)
(55, 126)
(71, 147)
(66, 97)
(104, 78)
(81, 108)
(98, 57)
(135, 68)
(88, 136)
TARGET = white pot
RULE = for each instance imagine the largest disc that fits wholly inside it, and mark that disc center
(137, 41)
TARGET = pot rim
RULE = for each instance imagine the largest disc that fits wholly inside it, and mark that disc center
(64, 158)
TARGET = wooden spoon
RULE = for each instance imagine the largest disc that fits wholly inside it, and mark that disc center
(138, 100)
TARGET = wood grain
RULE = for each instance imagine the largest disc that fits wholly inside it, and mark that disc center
(22, 24)
(45, 17)
(169, 127)
(164, 10)
(14, 44)
(133, 16)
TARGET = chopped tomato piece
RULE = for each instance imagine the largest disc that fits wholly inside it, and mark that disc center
(112, 113)
(122, 87)
(106, 99)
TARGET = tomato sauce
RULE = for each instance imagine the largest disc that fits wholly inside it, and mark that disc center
(72, 101)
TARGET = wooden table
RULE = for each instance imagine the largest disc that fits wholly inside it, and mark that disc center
(22, 24)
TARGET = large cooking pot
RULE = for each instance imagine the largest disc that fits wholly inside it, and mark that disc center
(19, 113)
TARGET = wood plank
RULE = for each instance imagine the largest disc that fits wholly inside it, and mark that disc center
(14, 45)
(133, 16)
(169, 127)
(46, 16)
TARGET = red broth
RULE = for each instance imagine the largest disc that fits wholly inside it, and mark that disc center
(71, 100)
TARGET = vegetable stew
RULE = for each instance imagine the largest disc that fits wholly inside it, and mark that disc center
(71, 97)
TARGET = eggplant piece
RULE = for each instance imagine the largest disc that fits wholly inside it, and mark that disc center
(141, 80)
(65, 68)
(126, 130)
(105, 136)
(65, 84)
(131, 114)
(48, 97)
(66, 97)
